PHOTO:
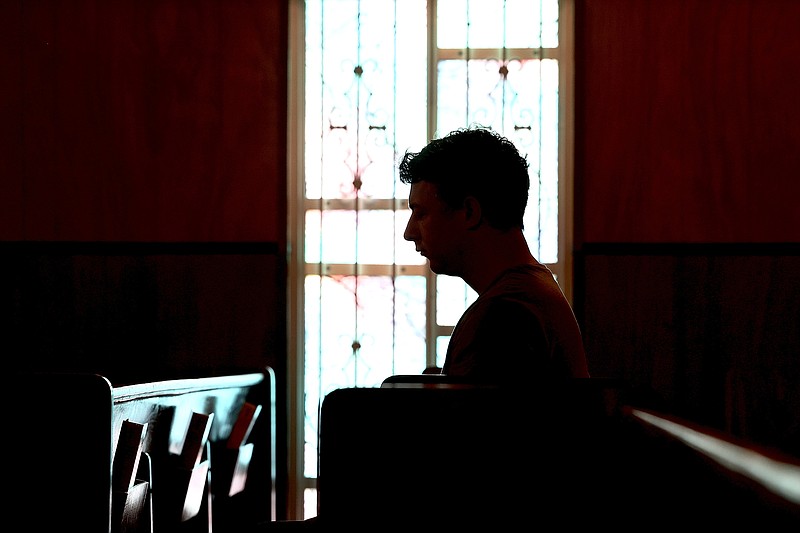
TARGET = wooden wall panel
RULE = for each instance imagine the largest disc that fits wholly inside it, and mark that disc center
(687, 123)
(138, 139)
(687, 174)
(709, 333)
(142, 120)
(144, 313)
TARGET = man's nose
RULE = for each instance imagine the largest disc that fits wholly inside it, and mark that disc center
(407, 234)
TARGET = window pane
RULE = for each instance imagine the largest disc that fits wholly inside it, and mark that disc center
(386, 319)
(345, 237)
(359, 330)
(497, 24)
(441, 349)
(366, 95)
(520, 100)
(511, 96)
(540, 143)
(410, 323)
(453, 296)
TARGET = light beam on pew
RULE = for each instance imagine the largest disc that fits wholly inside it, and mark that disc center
(779, 477)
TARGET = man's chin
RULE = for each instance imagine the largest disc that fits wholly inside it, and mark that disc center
(436, 268)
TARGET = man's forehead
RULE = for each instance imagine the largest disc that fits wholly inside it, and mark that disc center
(422, 190)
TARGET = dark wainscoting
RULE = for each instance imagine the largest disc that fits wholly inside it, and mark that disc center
(137, 312)
(709, 332)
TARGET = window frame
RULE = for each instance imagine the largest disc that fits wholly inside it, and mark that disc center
(297, 483)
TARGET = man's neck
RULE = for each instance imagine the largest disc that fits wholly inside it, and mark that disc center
(494, 255)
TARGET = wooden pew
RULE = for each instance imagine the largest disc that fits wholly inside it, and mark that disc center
(463, 455)
(686, 473)
(421, 452)
(65, 430)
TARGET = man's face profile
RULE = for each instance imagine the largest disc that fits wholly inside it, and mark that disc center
(432, 229)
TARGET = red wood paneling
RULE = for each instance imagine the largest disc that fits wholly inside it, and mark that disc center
(141, 120)
(712, 337)
(687, 121)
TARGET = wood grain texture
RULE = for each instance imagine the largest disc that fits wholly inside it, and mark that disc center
(713, 338)
(687, 124)
(145, 121)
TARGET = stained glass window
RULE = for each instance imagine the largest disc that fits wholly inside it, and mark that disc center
(373, 89)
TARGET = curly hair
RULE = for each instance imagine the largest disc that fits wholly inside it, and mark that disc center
(477, 162)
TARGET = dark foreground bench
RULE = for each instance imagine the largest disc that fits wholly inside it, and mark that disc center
(420, 453)
(459, 455)
(691, 475)
(64, 438)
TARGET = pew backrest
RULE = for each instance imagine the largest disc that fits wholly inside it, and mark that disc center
(458, 454)
(65, 432)
(427, 450)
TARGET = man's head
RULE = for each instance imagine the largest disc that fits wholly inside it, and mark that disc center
(467, 189)
(478, 163)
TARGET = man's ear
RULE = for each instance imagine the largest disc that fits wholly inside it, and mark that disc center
(473, 215)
